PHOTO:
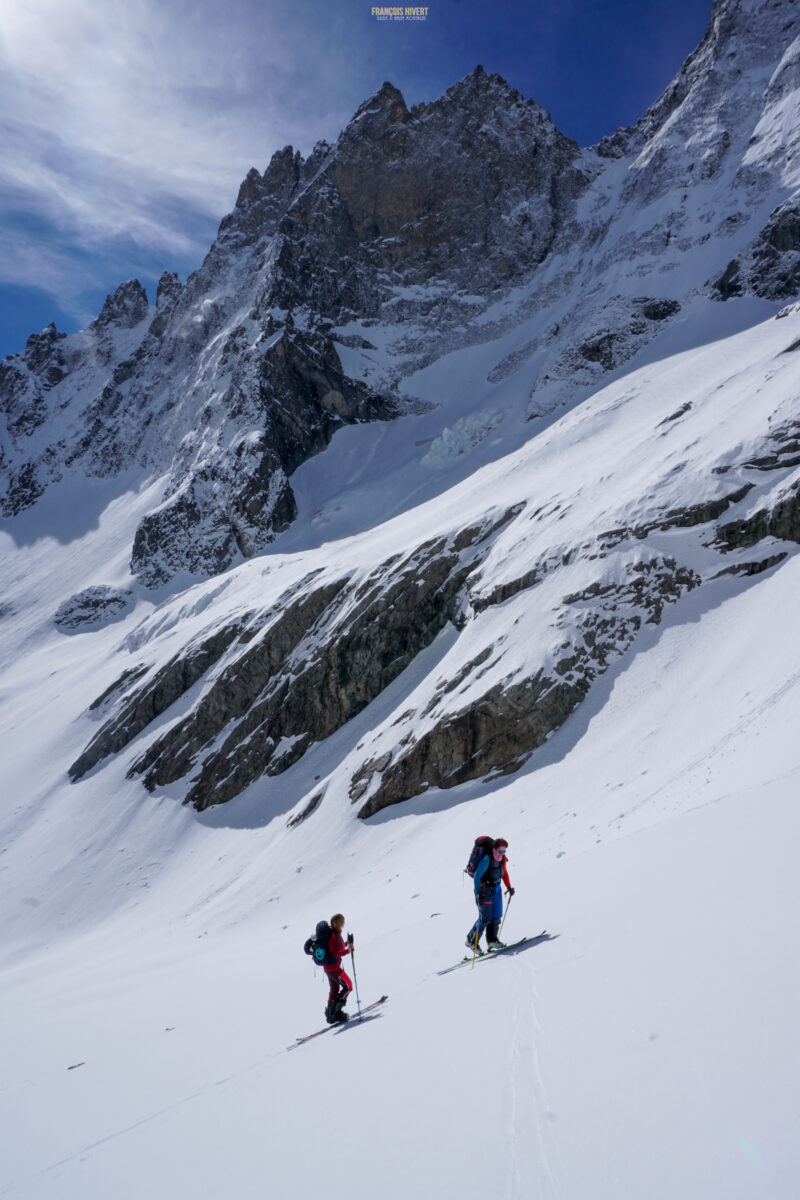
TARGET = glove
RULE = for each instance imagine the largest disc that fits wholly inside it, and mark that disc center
(510, 891)
(350, 940)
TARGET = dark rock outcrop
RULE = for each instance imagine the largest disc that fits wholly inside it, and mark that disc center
(294, 675)
(292, 397)
(775, 259)
(730, 282)
(93, 608)
(780, 520)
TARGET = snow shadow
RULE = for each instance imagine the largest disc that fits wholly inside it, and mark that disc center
(355, 1021)
(529, 945)
(67, 511)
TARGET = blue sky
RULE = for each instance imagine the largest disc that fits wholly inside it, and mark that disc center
(126, 126)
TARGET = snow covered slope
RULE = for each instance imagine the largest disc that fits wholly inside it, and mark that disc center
(152, 966)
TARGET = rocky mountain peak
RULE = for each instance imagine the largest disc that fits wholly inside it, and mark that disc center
(382, 108)
(263, 199)
(479, 88)
(405, 192)
(39, 346)
(124, 309)
(487, 103)
(169, 287)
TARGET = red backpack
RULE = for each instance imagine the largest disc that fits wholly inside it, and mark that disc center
(483, 846)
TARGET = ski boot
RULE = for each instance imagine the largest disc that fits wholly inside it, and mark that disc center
(470, 944)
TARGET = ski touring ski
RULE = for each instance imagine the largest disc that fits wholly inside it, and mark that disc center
(354, 1020)
(492, 953)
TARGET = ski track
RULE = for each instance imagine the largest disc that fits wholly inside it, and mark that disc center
(547, 1150)
(528, 1108)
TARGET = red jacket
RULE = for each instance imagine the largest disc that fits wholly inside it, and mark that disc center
(337, 948)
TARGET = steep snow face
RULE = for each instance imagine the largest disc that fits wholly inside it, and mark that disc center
(341, 286)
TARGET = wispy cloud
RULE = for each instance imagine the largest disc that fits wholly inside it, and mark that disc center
(120, 121)
(28, 258)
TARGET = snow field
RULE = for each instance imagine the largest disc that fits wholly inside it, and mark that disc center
(646, 1050)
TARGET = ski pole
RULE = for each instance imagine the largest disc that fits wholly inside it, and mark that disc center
(475, 951)
(505, 914)
(355, 977)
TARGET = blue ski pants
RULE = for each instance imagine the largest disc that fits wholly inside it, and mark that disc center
(490, 913)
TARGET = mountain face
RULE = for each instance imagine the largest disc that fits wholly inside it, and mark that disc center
(535, 577)
(461, 249)
(239, 368)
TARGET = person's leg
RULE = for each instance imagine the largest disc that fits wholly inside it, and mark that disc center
(345, 988)
(484, 917)
(333, 992)
(341, 988)
(495, 915)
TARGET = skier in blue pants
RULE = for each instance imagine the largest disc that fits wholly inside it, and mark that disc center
(490, 875)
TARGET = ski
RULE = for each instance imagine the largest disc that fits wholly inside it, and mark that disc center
(354, 1020)
(492, 953)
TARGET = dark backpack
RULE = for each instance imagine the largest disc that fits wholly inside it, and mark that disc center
(483, 846)
(317, 946)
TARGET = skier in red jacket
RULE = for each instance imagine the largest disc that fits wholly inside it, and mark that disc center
(339, 981)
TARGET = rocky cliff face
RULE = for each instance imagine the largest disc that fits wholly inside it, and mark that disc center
(466, 193)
